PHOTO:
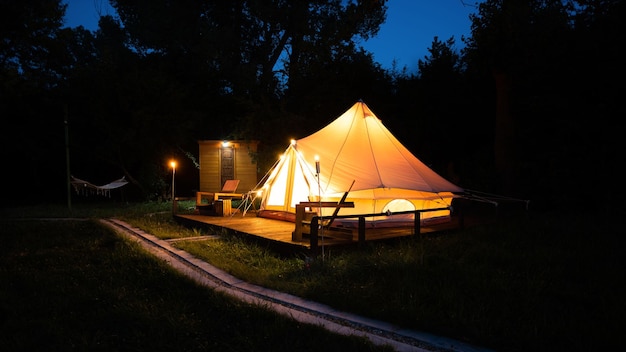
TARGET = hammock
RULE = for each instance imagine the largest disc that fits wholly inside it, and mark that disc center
(86, 188)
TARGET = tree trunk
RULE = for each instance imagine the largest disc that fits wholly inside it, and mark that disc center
(504, 150)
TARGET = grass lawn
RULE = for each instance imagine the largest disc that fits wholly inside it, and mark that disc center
(529, 282)
(77, 286)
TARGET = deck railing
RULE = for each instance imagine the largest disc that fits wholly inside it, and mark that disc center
(361, 227)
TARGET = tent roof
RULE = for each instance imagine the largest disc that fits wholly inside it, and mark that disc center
(358, 147)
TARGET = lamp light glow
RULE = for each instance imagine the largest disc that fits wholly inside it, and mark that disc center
(317, 164)
(173, 166)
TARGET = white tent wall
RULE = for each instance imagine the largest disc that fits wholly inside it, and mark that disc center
(290, 182)
(393, 200)
(356, 153)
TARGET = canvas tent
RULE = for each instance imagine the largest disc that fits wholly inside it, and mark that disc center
(355, 153)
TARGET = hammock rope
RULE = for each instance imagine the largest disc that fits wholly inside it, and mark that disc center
(85, 188)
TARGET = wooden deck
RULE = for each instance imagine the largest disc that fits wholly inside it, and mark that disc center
(279, 232)
(251, 225)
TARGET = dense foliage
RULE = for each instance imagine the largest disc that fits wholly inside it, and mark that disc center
(526, 108)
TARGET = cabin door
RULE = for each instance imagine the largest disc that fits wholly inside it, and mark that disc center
(227, 161)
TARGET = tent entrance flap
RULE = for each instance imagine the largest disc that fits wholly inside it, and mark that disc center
(291, 180)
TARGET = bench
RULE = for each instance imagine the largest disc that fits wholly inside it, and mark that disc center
(214, 196)
(214, 205)
(218, 203)
(221, 207)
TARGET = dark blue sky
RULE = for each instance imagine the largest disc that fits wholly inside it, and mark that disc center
(412, 25)
(406, 35)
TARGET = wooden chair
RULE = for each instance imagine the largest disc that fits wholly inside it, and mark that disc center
(219, 203)
(228, 192)
(230, 186)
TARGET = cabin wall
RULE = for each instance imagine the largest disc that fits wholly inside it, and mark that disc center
(219, 162)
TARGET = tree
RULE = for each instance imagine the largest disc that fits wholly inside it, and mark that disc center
(549, 78)
(237, 61)
(252, 46)
(443, 61)
(510, 41)
(129, 112)
(443, 109)
(31, 62)
(29, 31)
(437, 109)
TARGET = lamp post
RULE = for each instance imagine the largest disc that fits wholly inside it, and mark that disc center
(319, 195)
(173, 165)
(67, 162)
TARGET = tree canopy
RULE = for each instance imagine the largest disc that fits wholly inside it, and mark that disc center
(524, 103)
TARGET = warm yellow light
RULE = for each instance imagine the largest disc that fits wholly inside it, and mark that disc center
(225, 143)
(293, 142)
(173, 164)
(317, 164)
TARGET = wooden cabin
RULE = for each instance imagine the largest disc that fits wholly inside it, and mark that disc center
(227, 160)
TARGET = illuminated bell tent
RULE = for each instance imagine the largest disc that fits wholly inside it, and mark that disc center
(357, 154)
